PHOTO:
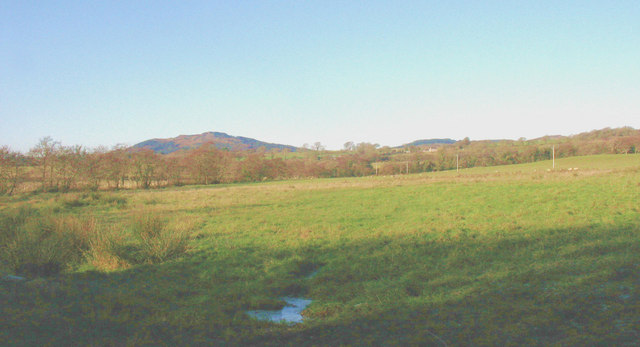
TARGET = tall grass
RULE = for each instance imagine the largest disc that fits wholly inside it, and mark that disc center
(37, 244)
(158, 242)
(41, 243)
(107, 251)
(149, 239)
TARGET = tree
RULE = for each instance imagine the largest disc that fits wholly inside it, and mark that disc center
(69, 164)
(349, 146)
(11, 170)
(116, 166)
(368, 151)
(173, 169)
(44, 153)
(145, 163)
(94, 168)
(209, 164)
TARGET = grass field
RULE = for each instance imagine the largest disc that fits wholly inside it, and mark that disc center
(513, 255)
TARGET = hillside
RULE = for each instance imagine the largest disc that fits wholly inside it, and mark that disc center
(220, 140)
(429, 142)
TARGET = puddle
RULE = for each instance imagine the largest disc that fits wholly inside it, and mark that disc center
(288, 314)
(312, 275)
(12, 278)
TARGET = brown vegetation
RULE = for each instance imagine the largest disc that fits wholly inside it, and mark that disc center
(50, 166)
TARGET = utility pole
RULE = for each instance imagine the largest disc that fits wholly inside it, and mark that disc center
(553, 151)
(407, 167)
(457, 167)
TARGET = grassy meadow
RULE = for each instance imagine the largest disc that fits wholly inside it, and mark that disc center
(512, 255)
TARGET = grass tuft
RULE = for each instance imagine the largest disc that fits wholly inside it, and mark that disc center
(43, 245)
(107, 251)
(157, 242)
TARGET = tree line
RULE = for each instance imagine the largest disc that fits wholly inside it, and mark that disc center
(51, 166)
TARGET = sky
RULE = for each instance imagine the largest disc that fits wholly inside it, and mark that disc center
(389, 72)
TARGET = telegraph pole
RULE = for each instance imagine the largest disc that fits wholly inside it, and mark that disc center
(457, 167)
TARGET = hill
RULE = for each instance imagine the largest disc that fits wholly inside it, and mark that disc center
(220, 140)
(429, 142)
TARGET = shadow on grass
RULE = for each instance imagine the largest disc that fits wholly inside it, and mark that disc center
(570, 287)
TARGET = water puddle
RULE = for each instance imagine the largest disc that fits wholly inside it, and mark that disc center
(312, 275)
(12, 278)
(291, 313)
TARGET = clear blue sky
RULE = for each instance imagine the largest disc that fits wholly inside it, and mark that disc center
(388, 72)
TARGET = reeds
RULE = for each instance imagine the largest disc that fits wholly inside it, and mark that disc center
(37, 243)
(157, 242)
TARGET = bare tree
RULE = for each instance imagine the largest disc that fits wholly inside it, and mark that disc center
(11, 170)
(145, 165)
(173, 169)
(45, 154)
(208, 164)
(69, 166)
(116, 166)
(94, 169)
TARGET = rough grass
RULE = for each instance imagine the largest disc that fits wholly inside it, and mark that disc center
(45, 243)
(36, 244)
(159, 243)
(513, 255)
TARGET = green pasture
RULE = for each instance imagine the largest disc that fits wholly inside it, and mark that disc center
(512, 255)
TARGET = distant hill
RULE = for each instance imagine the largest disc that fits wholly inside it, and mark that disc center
(220, 140)
(549, 138)
(429, 142)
